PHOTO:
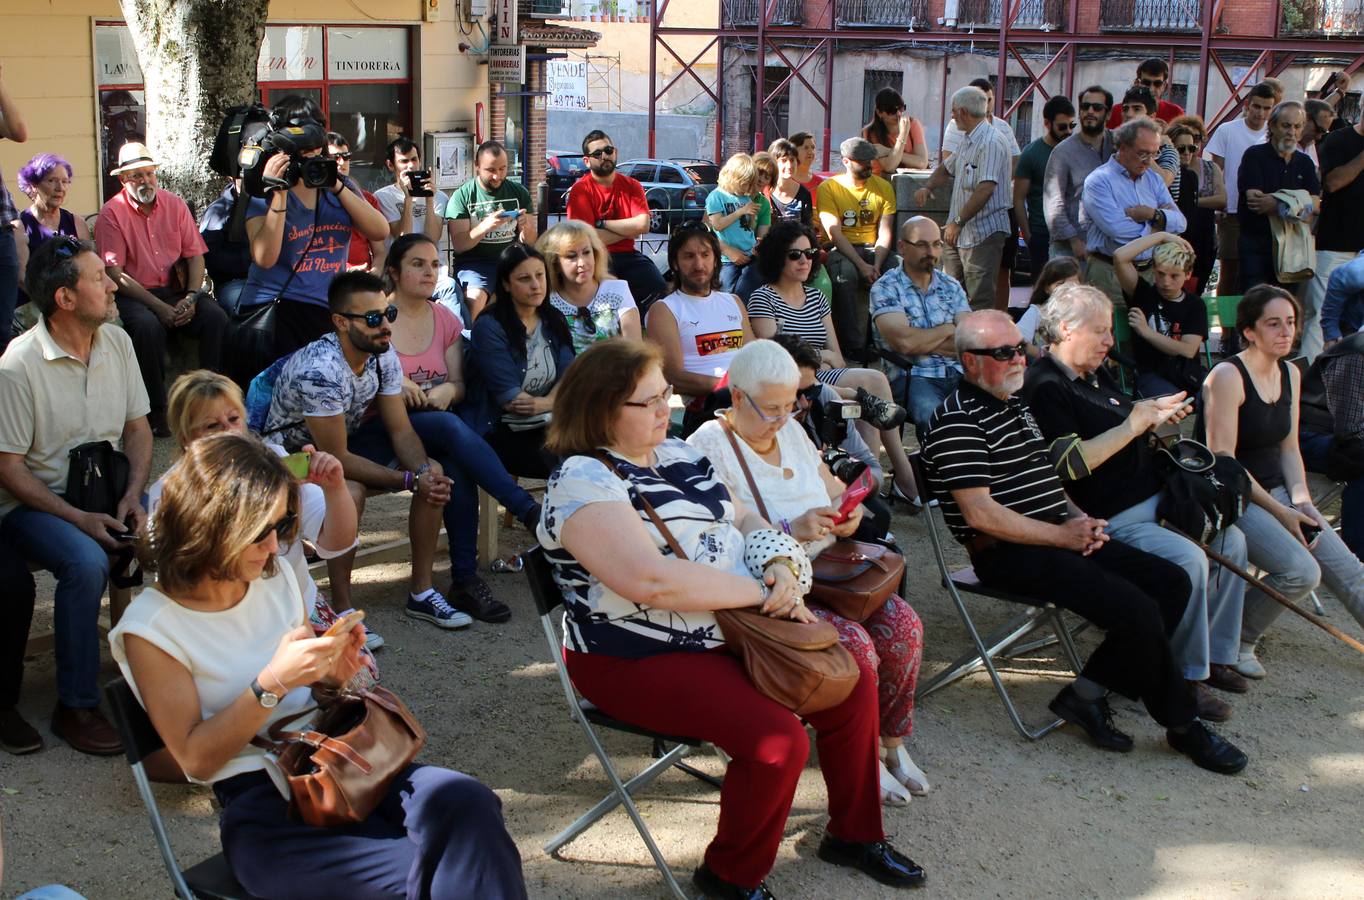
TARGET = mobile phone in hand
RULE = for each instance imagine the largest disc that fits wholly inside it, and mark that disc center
(1310, 533)
(346, 623)
(855, 494)
(298, 464)
(510, 213)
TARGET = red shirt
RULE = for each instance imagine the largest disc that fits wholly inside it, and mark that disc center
(1165, 111)
(359, 244)
(147, 245)
(589, 201)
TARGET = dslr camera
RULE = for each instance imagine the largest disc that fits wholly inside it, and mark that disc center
(831, 421)
(292, 138)
(419, 183)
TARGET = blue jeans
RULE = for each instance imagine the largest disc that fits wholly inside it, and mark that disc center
(9, 284)
(1287, 565)
(468, 462)
(229, 296)
(740, 280)
(926, 394)
(639, 272)
(82, 568)
(476, 272)
(1210, 629)
(1315, 448)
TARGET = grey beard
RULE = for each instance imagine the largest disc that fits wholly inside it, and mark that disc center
(144, 193)
(1285, 145)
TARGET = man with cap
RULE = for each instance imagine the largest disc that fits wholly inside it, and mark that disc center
(154, 253)
(857, 211)
(978, 224)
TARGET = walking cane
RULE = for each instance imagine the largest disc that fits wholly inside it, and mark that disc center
(1232, 567)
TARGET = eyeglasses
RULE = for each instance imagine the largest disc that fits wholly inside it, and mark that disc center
(770, 420)
(1066, 126)
(794, 254)
(1145, 155)
(811, 394)
(655, 404)
(608, 150)
(344, 156)
(924, 246)
(278, 529)
(375, 317)
(1098, 107)
(1153, 85)
(1185, 148)
(1001, 354)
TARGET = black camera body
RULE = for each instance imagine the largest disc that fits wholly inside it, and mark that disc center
(831, 420)
(293, 138)
(418, 183)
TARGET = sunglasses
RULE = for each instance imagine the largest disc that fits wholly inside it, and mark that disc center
(1185, 148)
(1068, 126)
(812, 393)
(278, 529)
(342, 156)
(1099, 107)
(608, 150)
(1001, 354)
(794, 254)
(375, 317)
(66, 246)
(1151, 84)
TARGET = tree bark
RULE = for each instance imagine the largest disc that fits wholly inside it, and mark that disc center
(198, 58)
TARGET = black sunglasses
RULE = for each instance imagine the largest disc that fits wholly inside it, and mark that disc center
(1002, 354)
(794, 254)
(1096, 106)
(812, 393)
(375, 317)
(343, 155)
(693, 225)
(1067, 126)
(1151, 84)
(608, 150)
(279, 529)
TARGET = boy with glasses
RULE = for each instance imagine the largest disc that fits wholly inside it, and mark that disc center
(1154, 75)
(1059, 116)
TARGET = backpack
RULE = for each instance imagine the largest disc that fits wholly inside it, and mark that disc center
(239, 125)
(259, 395)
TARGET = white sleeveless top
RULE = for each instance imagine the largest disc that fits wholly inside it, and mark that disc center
(711, 329)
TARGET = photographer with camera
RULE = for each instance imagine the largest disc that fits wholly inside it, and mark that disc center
(299, 222)
(410, 204)
(801, 496)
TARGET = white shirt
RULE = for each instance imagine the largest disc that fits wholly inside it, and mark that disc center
(1230, 142)
(390, 198)
(711, 330)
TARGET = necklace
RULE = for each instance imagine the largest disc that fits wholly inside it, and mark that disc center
(786, 473)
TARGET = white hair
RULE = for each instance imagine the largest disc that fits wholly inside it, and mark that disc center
(972, 100)
(760, 364)
(1072, 305)
(972, 327)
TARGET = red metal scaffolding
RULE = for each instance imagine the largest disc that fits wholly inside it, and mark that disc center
(780, 41)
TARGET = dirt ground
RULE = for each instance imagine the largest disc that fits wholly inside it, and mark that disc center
(1006, 818)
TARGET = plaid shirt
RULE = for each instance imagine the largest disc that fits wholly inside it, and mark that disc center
(7, 211)
(944, 300)
(1344, 380)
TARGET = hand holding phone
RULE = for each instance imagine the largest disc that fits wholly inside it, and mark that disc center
(510, 213)
(346, 623)
(1188, 402)
(1310, 533)
(854, 495)
(298, 464)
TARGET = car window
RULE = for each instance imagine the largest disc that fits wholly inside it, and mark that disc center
(645, 172)
(704, 174)
(670, 175)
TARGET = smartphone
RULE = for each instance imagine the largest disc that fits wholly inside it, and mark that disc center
(347, 622)
(298, 463)
(855, 494)
(130, 535)
(1174, 412)
(1310, 533)
(510, 213)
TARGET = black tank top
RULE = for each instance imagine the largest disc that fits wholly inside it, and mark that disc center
(1261, 427)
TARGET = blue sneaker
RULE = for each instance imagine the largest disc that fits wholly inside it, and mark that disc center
(431, 607)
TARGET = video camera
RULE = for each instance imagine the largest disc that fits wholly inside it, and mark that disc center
(293, 138)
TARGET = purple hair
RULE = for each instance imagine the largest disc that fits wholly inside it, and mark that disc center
(38, 168)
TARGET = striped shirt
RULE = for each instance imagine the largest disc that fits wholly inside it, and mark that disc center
(977, 440)
(983, 156)
(806, 323)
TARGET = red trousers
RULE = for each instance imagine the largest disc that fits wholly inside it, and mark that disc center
(708, 696)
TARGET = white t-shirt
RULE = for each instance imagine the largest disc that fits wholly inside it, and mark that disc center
(711, 329)
(1027, 323)
(390, 198)
(223, 651)
(1230, 142)
(952, 136)
(613, 299)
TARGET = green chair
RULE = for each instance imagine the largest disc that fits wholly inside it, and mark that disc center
(1122, 339)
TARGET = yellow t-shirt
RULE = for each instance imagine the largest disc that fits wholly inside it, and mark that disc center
(859, 210)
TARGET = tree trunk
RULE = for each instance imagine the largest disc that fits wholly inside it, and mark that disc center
(198, 58)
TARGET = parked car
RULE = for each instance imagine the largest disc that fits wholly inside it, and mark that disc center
(676, 189)
(562, 168)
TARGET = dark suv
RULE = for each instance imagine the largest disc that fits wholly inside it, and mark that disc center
(562, 168)
(676, 189)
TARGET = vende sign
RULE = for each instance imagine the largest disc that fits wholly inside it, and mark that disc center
(506, 32)
(566, 80)
(506, 65)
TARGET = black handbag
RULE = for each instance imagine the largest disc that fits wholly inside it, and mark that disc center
(96, 480)
(1204, 492)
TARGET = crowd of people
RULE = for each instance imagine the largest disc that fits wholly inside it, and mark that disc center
(705, 417)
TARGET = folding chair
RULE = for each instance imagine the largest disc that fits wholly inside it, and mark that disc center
(549, 598)
(1006, 642)
(211, 878)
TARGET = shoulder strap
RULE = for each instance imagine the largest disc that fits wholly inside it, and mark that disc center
(648, 507)
(743, 464)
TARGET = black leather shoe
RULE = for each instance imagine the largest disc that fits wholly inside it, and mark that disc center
(16, 735)
(1208, 749)
(878, 859)
(1093, 716)
(717, 888)
(476, 598)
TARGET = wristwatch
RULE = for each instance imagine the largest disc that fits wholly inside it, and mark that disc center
(1159, 220)
(957, 221)
(264, 697)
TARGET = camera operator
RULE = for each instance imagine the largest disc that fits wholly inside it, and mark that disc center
(300, 234)
(828, 420)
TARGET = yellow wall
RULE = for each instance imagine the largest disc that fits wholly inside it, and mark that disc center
(46, 50)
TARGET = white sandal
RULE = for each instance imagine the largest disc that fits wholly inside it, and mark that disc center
(893, 793)
(903, 770)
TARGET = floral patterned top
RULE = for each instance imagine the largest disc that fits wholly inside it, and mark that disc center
(695, 505)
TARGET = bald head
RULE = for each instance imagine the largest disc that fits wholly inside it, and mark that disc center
(920, 246)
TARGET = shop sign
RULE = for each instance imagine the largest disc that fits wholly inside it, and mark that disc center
(506, 65)
(566, 80)
(367, 54)
(290, 53)
(115, 56)
(506, 32)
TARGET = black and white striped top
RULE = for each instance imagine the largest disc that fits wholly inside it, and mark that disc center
(977, 440)
(806, 323)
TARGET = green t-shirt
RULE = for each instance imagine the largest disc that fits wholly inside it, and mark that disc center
(1032, 165)
(474, 202)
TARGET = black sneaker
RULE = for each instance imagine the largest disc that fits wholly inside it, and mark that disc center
(16, 735)
(476, 598)
(717, 888)
(881, 413)
(1208, 749)
(878, 859)
(1094, 717)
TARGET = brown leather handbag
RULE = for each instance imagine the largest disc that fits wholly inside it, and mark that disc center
(800, 665)
(852, 578)
(341, 768)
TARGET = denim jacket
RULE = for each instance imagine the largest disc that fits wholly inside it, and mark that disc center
(497, 371)
(1342, 312)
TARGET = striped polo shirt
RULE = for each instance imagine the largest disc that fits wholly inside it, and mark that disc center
(977, 440)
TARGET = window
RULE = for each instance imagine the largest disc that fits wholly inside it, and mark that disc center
(359, 76)
(1021, 120)
(670, 175)
(873, 80)
(645, 173)
(1178, 94)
